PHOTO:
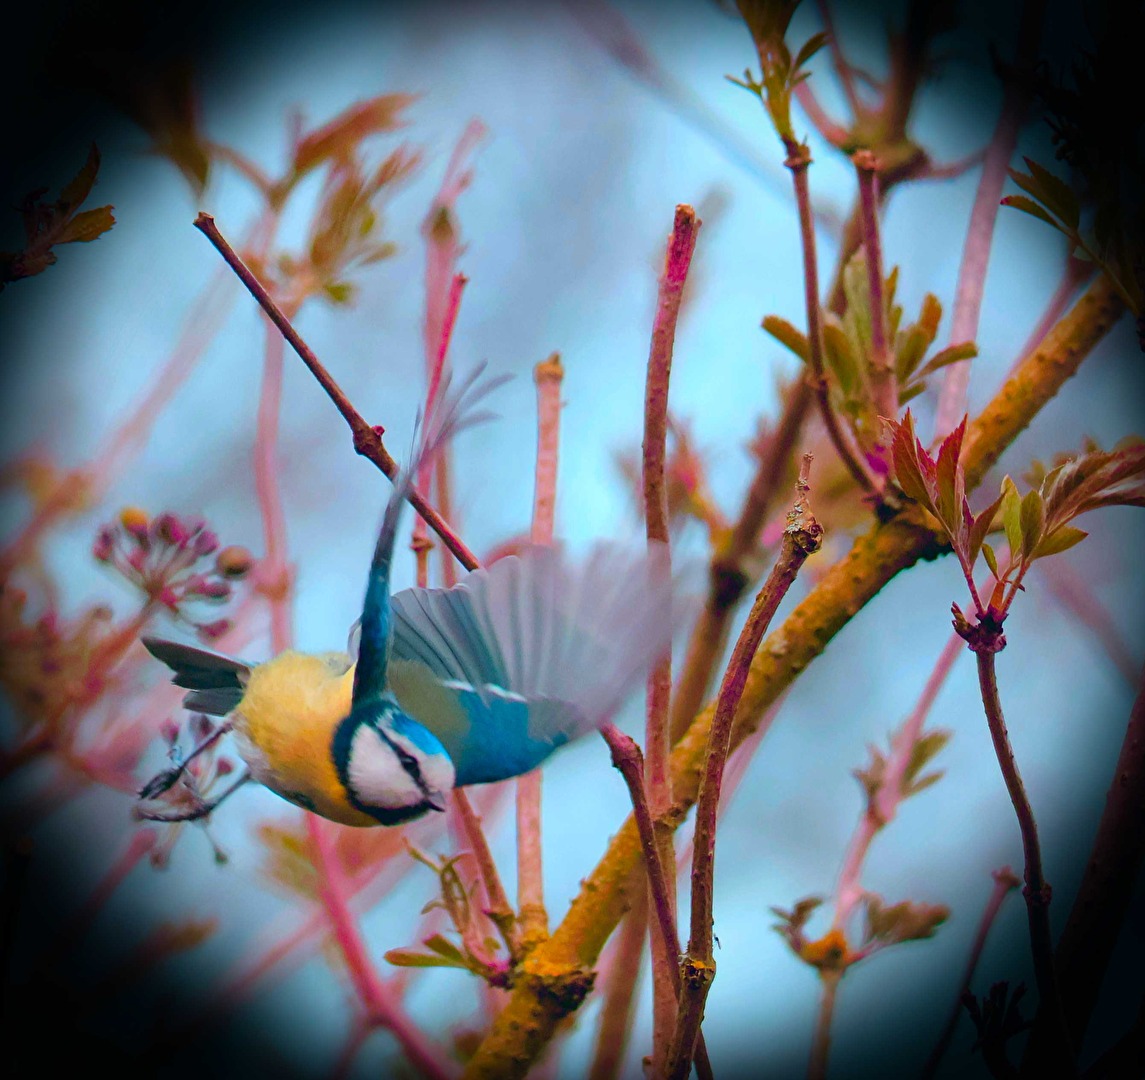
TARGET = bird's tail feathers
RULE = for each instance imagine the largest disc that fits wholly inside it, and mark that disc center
(216, 683)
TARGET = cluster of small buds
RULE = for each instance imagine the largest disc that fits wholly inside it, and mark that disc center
(185, 787)
(165, 557)
(45, 659)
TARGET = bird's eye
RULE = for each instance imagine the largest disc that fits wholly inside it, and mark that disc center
(410, 764)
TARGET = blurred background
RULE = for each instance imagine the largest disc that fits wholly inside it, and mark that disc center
(596, 119)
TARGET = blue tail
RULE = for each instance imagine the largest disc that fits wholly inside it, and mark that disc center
(450, 412)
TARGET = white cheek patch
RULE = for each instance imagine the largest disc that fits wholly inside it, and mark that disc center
(376, 775)
(437, 772)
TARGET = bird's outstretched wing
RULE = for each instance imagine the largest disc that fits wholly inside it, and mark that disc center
(533, 652)
(216, 683)
(452, 412)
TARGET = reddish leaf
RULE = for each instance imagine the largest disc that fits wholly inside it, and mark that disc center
(907, 454)
(951, 481)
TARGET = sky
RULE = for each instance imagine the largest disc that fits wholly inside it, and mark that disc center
(572, 197)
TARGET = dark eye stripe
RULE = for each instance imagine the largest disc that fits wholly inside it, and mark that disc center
(409, 762)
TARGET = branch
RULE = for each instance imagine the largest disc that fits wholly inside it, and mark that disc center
(499, 910)
(1103, 898)
(622, 982)
(657, 736)
(367, 439)
(881, 810)
(1005, 881)
(629, 762)
(983, 216)
(1037, 890)
(728, 574)
(798, 159)
(884, 387)
(534, 919)
(555, 977)
(801, 538)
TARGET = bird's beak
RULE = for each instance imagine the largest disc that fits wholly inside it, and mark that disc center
(436, 802)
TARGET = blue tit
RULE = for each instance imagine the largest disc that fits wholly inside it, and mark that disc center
(448, 687)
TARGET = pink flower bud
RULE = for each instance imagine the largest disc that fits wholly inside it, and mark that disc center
(206, 542)
(104, 546)
(169, 529)
(215, 590)
(224, 767)
(137, 559)
(169, 731)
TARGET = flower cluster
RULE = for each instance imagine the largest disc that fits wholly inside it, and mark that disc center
(164, 557)
(180, 794)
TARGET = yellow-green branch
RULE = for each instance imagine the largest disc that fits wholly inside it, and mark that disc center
(558, 973)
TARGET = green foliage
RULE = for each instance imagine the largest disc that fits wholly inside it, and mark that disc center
(48, 224)
(904, 921)
(768, 20)
(926, 747)
(848, 356)
(454, 899)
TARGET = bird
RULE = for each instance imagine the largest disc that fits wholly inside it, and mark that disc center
(441, 688)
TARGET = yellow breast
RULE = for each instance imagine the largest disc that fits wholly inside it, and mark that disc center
(285, 724)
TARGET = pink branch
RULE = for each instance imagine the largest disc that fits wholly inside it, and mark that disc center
(980, 235)
(1074, 275)
(274, 573)
(530, 876)
(881, 810)
(380, 1005)
(1005, 881)
(657, 735)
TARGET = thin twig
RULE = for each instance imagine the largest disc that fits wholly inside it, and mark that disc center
(621, 983)
(1037, 890)
(367, 439)
(1075, 274)
(881, 810)
(380, 1005)
(843, 69)
(534, 919)
(821, 1040)
(499, 909)
(884, 388)
(657, 737)
(1104, 897)
(983, 216)
(629, 762)
(801, 538)
(1005, 881)
(831, 130)
(798, 160)
(611, 32)
(201, 325)
(728, 574)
